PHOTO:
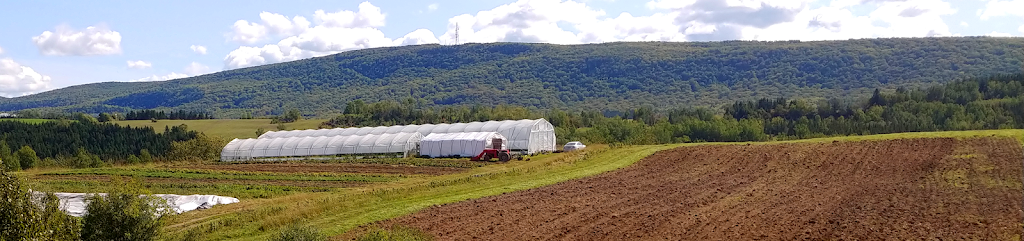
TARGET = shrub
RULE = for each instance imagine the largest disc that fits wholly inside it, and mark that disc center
(27, 157)
(126, 213)
(10, 161)
(201, 148)
(145, 156)
(23, 218)
(132, 159)
(298, 232)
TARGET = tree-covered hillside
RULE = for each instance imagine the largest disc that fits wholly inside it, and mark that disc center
(610, 76)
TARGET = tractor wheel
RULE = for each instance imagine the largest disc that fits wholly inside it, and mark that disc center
(486, 158)
(504, 157)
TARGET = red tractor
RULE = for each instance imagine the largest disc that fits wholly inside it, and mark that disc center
(496, 151)
(488, 154)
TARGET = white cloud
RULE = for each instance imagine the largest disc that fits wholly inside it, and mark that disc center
(334, 32)
(139, 64)
(964, 24)
(432, 7)
(1, 50)
(170, 76)
(420, 36)
(998, 34)
(194, 69)
(246, 32)
(997, 8)
(199, 49)
(368, 16)
(67, 41)
(18, 80)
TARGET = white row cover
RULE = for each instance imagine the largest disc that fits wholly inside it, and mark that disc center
(463, 144)
(245, 149)
(74, 204)
(529, 135)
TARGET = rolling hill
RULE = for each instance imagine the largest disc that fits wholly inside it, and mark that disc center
(593, 76)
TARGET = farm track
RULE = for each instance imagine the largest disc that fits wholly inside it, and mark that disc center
(331, 168)
(938, 188)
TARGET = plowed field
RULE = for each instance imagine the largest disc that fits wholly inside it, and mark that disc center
(868, 190)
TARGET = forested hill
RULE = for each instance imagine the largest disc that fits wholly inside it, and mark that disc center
(594, 76)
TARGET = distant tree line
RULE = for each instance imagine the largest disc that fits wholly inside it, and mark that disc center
(978, 103)
(161, 115)
(85, 142)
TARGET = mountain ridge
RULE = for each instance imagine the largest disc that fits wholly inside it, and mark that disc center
(590, 76)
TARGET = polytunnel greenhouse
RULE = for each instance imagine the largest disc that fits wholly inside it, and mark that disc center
(461, 144)
(531, 136)
(398, 144)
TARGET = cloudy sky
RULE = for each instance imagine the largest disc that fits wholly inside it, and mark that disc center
(53, 44)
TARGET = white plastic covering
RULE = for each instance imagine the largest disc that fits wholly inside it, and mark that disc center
(523, 135)
(247, 149)
(464, 144)
(74, 203)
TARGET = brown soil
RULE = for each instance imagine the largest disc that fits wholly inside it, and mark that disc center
(332, 167)
(870, 190)
(164, 180)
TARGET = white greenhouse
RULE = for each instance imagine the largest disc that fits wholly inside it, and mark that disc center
(400, 144)
(462, 144)
(531, 136)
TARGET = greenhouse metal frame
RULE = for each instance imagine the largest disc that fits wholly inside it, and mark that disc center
(404, 144)
(531, 136)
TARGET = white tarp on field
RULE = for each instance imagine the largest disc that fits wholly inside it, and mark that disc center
(523, 135)
(462, 144)
(74, 203)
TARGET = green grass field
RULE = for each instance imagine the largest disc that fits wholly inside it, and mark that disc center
(225, 128)
(30, 121)
(270, 208)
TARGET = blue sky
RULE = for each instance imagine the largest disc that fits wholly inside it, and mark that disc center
(46, 45)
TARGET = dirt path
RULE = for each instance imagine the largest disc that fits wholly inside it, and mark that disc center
(870, 190)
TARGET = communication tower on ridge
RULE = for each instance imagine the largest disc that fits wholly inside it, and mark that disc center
(456, 33)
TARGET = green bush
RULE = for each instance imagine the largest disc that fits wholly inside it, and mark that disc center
(126, 213)
(298, 232)
(10, 161)
(22, 218)
(27, 157)
(132, 159)
(396, 233)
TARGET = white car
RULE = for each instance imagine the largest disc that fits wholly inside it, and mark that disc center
(572, 146)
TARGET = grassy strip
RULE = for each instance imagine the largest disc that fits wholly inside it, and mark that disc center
(226, 175)
(224, 128)
(339, 212)
(457, 163)
(30, 121)
(241, 191)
